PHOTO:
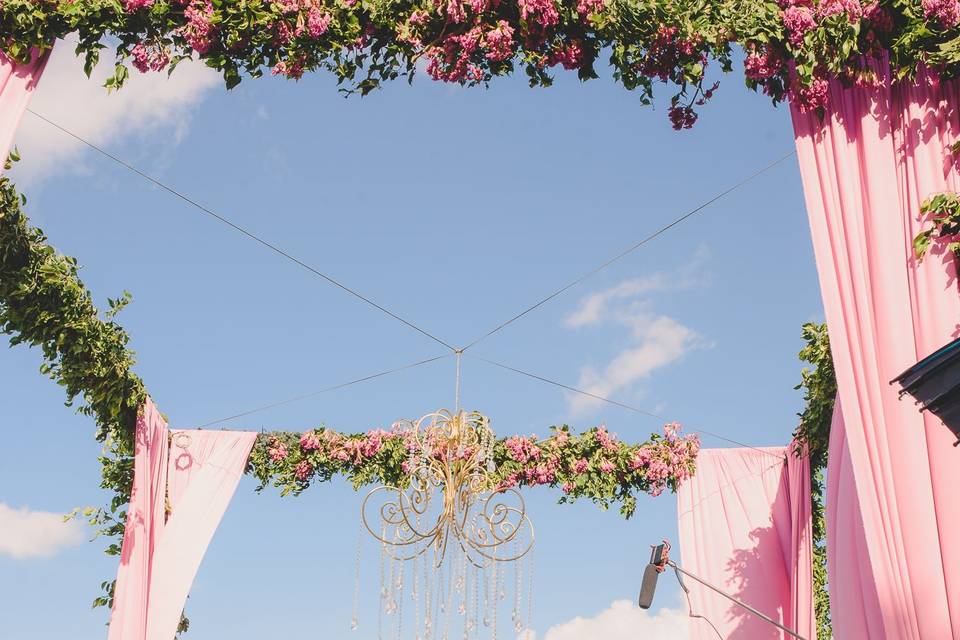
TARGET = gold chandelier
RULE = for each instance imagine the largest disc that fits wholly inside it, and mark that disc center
(451, 497)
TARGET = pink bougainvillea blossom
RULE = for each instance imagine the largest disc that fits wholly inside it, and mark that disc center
(134, 5)
(522, 449)
(682, 117)
(762, 65)
(149, 58)
(606, 466)
(581, 466)
(498, 42)
(199, 29)
(542, 12)
(277, 450)
(318, 22)
(798, 21)
(310, 441)
(812, 97)
(586, 7)
(303, 470)
(570, 56)
(947, 12)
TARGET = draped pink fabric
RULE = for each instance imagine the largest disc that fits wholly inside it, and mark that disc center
(866, 168)
(17, 82)
(194, 473)
(745, 527)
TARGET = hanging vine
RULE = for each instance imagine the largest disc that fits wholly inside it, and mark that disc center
(819, 385)
(792, 46)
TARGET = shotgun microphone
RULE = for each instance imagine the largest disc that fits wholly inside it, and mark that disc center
(650, 574)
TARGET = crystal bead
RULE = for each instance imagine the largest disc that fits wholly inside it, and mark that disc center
(354, 623)
(518, 625)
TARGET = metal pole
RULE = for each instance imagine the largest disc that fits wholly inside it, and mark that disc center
(675, 567)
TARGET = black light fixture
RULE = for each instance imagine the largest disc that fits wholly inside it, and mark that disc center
(934, 383)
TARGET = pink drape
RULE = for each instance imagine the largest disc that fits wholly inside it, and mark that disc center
(745, 527)
(866, 168)
(17, 82)
(193, 474)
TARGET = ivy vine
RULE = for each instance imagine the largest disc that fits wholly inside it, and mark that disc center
(943, 211)
(819, 385)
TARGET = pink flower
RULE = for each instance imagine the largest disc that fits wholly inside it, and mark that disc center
(852, 8)
(641, 458)
(682, 117)
(198, 31)
(878, 16)
(303, 470)
(586, 7)
(543, 12)
(522, 449)
(811, 98)
(147, 59)
(419, 18)
(947, 12)
(499, 42)
(277, 450)
(606, 466)
(405, 466)
(798, 21)
(310, 441)
(286, 6)
(317, 22)
(580, 466)
(606, 440)
(133, 5)
(569, 56)
(568, 487)
(760, 66)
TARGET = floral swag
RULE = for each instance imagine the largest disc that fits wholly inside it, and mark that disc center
(594, 464)
(792, 46)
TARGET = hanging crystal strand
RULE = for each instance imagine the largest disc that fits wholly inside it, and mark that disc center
(497, 579)
(529, 593)
(415, 598)
(486, 595)
(451, 584)
(427, 611)
(517, 587)
(354, 618)
(472, 624)
(462, 583)
(383, 587)
(399, 601)
(391, 604)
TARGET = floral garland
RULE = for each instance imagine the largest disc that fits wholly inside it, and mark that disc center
(593, 464)
(792, 46)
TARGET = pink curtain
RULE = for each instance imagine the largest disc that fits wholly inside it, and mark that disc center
(192, 474)
(17, 82)
(866, 167)
(745, 527)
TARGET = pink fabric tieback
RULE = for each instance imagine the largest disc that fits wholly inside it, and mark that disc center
(194, 473)
(17, 82)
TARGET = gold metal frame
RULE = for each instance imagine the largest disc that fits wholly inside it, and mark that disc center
(453, 454)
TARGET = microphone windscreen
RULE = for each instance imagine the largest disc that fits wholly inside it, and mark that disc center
(648, 586)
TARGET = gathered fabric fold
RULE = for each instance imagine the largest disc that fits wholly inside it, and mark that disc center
(183, 483)
(745, 526)
(867, 165)
(17, 82)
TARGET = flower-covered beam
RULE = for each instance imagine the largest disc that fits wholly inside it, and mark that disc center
(791, 46)
(593, 465)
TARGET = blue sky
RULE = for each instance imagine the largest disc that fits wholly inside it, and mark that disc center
(456, 209)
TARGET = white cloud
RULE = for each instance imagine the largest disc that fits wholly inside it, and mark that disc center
(30, 534)
(622, 621)
(654, 340)
(149, 103)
